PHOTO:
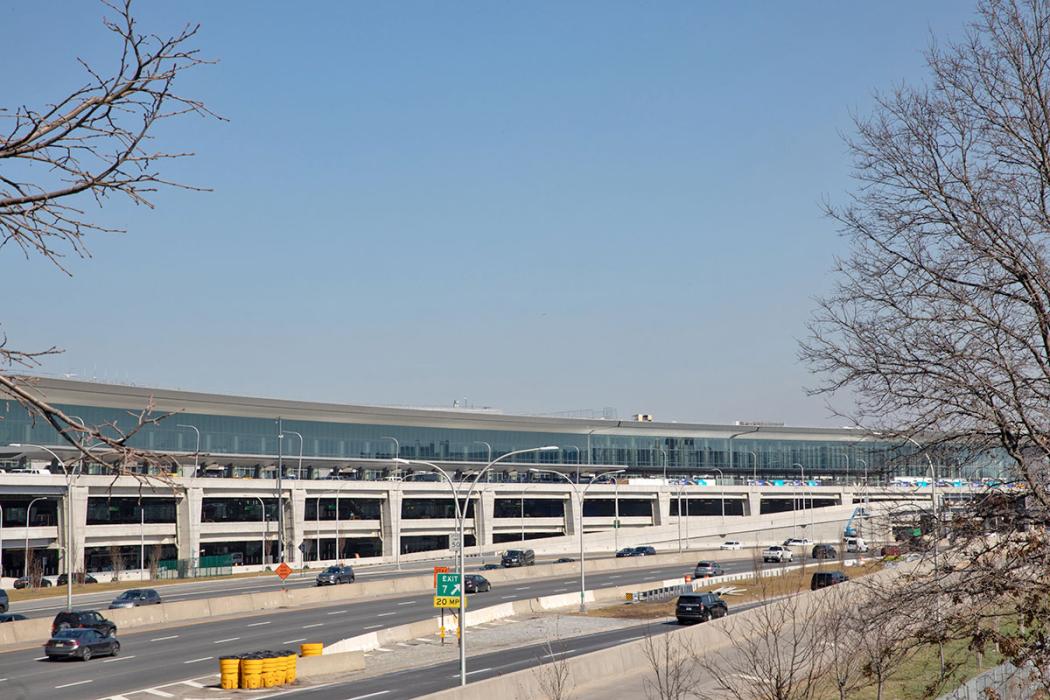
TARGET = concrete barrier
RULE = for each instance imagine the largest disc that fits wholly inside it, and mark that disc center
(311, 667)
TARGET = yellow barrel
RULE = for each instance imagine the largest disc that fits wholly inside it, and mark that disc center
(312, 649)
(291, 667)
(282, 668)
(229, 672)
(270, 669)
(251, 674)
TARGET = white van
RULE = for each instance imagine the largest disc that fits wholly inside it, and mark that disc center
(32, 471)
(856, 544)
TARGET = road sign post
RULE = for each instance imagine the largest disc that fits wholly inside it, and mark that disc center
(283, 570)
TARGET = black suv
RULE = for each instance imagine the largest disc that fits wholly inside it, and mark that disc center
(335, 574)
(823, 579)
(699, 607)
(824, 551)
(518, 557)
(644, 551)
(83, 618)
(79, 577)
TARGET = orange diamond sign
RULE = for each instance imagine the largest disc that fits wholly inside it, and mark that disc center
(283, 570)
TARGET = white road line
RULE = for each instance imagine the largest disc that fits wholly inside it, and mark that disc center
(386, 614)
(523, 588)
(408, 602)
(259, 624)
(336, 612)
(506, 597)
(221, 641)
(40, 658)
(161, 639)
(558, 653)
(70, 685)
(158, 693)
(469, 673)
(293, 641)
(371, 627)
(370, 695)
(203, 658)
(118, 658)
(316, 624)
(193, 684)
(111, 697)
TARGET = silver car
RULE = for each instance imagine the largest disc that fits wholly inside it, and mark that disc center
(704, 569)
(135, 597)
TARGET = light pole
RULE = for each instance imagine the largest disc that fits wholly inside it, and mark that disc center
(299, 473)
(25, 573)
(580, 495)
(846, 457)
(679, 518)
(262, 541)
(796, 464)
(722, 498)
(729, 443)
(196, 452)
(280, 490)
(142, 540)
(754, 474)
(462, 527)
(663, 458)
(488, 447)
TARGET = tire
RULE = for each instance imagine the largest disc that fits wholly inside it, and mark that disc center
(86, 656)
(116, 649)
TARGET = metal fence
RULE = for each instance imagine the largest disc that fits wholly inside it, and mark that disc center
(217, 565)
(1006, 682)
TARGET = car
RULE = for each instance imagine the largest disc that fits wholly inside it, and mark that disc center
(699, 607)
(777, 553)
(336, 574)
(12, 617)
(491, 566)
(625, 552)
(823, 579)
(644, 551)
(565, 560)
(730, 544)
(82, 643)
(135, 597)
(704, 569)
(518, 557)
(856, 544)
(4, 602)
(80, 577)
(475, 583)
(76, 619)
(823, 551)
(890, 550)
(797, 542)
(27, 582)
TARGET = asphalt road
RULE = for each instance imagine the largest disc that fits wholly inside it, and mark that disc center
(149, 659)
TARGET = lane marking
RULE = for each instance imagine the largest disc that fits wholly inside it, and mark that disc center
(220, 641)
(40, 658)
(371, 627)
(558, 653)
(523, 588)
(118, 658)
(161, 639)
(470, 673)
(336, 612)
(259, 624)
(408, 602)
(203, 658)
(371, 695)
(70, 685)
(386, 614)
(158, 693)
(316, 624)
(293, 641)
(193, 684)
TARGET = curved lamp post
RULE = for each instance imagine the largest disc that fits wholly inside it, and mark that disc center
(461, 526)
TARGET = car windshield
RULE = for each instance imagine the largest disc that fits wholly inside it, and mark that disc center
(73, 634)
(332, 570)
(127, 595)
(512, 553)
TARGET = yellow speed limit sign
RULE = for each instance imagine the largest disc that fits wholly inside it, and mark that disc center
(447, 601)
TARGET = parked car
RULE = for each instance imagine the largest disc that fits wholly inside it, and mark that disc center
(82, 643)
(76, 619)
(80, 577)
(890, 550)
(705, 569)
(823, 579)
(777, 553)
(518, 557)
(475, 583)
(4, 602)
(565, 560)
(135, 597)
(797, 542)
(491, 566)
(644, 551)
(856, 544)
(27, 582)
(731, 544)
(699, 607)
(625, 552)
(336, 574)
(824, 551)
(12, 617)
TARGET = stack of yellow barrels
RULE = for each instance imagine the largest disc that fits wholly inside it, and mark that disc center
(263, 669)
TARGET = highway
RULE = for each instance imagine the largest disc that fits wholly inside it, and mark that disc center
(171, 654)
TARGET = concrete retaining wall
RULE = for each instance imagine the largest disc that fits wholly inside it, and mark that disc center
(310, 667)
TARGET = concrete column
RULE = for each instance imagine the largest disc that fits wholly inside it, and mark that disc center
(662, 512)
(295, 522)
(573, 516)
(846, 498)
(484, 512)
(754, 503)
(391, 514)
(188, 524)
(79, 496)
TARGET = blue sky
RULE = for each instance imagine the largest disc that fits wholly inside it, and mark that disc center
(536, 206)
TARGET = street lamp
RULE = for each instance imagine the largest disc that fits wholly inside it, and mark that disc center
(580, 495)
(722, 498)
(796, 464)
(462, 527)
(754, 475)
(262, 540)
(196, 452)
(28, 510)
(300, 436)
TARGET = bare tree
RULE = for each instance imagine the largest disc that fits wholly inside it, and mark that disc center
(553, 675)
(82, 149)
(939, 323)
(841, 625)
(116, 560)
(673, 669)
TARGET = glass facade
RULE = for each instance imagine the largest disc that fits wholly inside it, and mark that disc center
(242, 436)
